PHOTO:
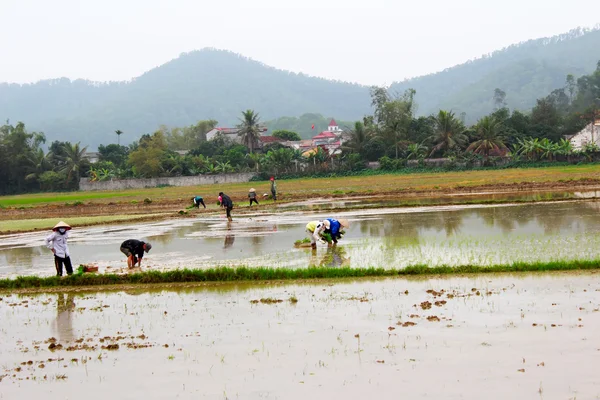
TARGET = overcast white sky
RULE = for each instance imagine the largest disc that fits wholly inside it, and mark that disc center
(365, 41)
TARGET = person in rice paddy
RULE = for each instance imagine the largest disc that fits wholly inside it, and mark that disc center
(336, 228)
(197, 201)
(273, 188)
(252, 196)
(227, 204)
(57, 243)
(314, 229)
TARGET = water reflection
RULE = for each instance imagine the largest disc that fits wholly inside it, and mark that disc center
(63, 324)
(393, 236)
(229, 237)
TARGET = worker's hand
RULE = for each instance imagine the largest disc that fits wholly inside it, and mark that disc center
(53, 251)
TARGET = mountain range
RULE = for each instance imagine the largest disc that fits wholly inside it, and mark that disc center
(217, 84)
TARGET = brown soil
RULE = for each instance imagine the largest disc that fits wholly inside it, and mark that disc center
(171, 207)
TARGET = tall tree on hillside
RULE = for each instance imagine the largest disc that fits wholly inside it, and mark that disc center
(499, 98)
(489, 137)
(248, 129)
(449, 133)
(119, 133)
(74, 160)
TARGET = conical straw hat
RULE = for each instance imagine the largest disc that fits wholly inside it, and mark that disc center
(344, 222)
(252, 190)
(62, 224)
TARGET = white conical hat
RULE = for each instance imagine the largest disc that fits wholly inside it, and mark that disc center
(252, 190)
(62, 224)
(344, 222)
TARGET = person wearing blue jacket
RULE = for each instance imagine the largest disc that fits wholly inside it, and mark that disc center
(335, 228)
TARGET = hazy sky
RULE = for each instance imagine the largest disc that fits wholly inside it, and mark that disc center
(366, 41)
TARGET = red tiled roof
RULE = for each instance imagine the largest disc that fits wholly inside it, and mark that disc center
(324, 135)
(333, 123)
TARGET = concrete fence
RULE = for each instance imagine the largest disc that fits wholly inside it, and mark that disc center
(122, 184)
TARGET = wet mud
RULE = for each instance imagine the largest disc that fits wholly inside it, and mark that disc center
(493, 337)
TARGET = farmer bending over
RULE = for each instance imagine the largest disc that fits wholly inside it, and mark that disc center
(314, 230)
(197, 201)
(227, 204)
(134, 250)
(252, 196)
(57, 242)
(335, 228)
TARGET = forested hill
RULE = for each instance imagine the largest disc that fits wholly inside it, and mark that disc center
(198, 85)
(215, 84)
(525, 71)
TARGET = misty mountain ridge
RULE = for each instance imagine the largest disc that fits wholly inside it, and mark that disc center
(218, 84)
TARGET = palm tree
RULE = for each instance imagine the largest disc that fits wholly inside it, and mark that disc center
(359, 137)
(415, 150)
(489, 137)
(449, 133)
(248, 129)
(73, 160)
(119, 133)
(39, 164)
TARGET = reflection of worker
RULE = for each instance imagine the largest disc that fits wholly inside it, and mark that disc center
(57, 242)
(227, 204)
(197, 201)
(335, 257)
(335, 228)
(314, 229)
(64, 324)
(229, 238)
(274, 188)
(134, 250)
(252, 196)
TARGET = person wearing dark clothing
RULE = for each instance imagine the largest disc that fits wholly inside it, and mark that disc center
(134, 250)
(252, 196)
(227, 204)
(274, 188)
(197, 201)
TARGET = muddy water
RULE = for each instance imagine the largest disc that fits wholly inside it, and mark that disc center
(383, 237)
(525, 337)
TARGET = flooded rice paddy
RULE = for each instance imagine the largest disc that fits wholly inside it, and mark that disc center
(392, 237)
(492, 337)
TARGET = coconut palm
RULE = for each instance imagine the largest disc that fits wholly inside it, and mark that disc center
(248, 129)
(119, 133)
(359, 137)
(489, 137)
(449, 133)
(415, 151)
(74, 158)
(39, 164)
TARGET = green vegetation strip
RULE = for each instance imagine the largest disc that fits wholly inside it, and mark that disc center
(227, 274)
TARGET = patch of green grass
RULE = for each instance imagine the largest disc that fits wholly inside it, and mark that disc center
(228, 274)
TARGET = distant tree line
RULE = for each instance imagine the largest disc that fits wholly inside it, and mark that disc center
(392, 134)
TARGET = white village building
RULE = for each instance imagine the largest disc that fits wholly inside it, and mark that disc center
(588, 135)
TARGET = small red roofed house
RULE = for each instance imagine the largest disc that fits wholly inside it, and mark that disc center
(331, 139)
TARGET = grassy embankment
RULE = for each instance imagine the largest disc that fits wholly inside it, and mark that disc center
(227, 274)
(307, 187)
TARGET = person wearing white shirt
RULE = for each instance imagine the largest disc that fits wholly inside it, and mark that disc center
(57, 242)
